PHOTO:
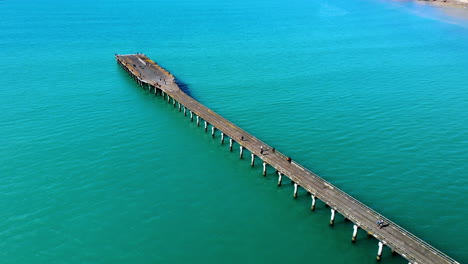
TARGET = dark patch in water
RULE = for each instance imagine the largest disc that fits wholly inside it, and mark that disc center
(183, 86)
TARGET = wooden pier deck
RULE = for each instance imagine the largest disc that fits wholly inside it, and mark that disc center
(149, 74)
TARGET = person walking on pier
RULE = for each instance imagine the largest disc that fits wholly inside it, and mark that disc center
(380, 223)
(261, 149)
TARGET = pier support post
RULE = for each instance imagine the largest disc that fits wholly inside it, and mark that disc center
(241, 151)
(222, 138)
(213, 129)
(280, 178)
(231, 141)
(295, 190)
(355, 229)
(264, 168)
(379, 252)
(168, 99)
(185, 111)
(252, 161)
(394, 253)
(198, 121)
(191, 115)
(173, 102)
(206, 126)
(312, 207)
(180, 107)
(332, 218)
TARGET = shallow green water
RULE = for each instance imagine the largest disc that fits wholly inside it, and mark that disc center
(368, 94)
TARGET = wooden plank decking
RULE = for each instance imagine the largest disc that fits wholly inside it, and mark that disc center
(150, 75)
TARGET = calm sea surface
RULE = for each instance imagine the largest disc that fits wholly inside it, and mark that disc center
(371, 95)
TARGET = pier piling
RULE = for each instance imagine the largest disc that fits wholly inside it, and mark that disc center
(312, 207)
(295, 190)
(332, 218)
(355, 230)
(379, 251)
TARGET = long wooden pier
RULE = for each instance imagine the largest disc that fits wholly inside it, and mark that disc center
(150, 75)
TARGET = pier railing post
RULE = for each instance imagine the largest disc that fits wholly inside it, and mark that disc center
(355, 230)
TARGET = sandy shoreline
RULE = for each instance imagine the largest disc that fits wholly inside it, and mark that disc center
(454, 3)
(457, 9)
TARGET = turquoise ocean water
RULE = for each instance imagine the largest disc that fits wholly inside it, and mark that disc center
(371, 95)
